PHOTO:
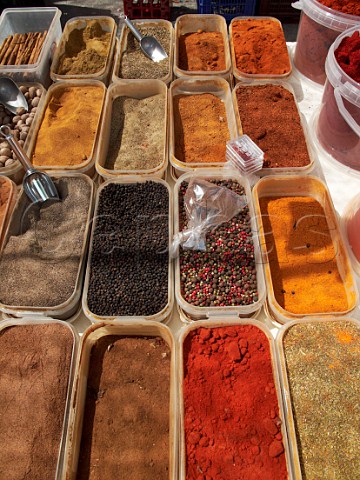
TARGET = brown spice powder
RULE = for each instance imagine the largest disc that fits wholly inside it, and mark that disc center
(5, 191)
(302, 256)
(126, 419)
(269, 115)
(260, 47)
(201, 129)
(202, 51)
(68, 129)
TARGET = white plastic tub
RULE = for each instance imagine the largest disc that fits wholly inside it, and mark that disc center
(338, 122)
(318, 28)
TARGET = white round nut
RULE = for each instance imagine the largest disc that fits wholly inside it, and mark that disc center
(32, 92)
(3, 158)
(23, 89)
(16, 119)
(38, 92)
(5, 152)
(23, 135)
(24, 116)
(35, 102)
(28, 121)
(9, 162)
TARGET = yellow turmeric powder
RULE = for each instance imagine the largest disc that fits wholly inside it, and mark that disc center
(302, 256)
(68, 130)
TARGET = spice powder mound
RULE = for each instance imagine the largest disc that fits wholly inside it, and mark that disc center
(260, 47)
(200, 128)
(68, 130)
(302, 256)
(323, 369)
(269, 115)
(231, 412)
(202, 51)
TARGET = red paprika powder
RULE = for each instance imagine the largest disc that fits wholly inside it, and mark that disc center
(348, 56)
(231, 412)
(351, 7)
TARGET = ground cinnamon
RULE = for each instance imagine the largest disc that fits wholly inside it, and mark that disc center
(201, 129)
(202, 51)
(67, 133)
(302, 256)
(260, 47)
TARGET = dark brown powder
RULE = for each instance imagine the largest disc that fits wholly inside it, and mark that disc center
(269, 115)
(126, 418)
(35, 366)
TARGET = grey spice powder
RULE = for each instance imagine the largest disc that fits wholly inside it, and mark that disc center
(323, 368)
(40, 262)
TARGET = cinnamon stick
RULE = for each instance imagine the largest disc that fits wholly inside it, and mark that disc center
(32, 37)
(37, 48)
(21, 49)
(7, 55)
(7, 41)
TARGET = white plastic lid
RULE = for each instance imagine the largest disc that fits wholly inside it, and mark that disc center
(326, 16)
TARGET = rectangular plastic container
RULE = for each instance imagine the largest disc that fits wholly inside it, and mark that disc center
(88, 165)
(122, 45)
(208, 23)
(26, 20)
(226, 321)
(193, 312)
(285, 388)
(79, 23)
(16, 172)
(238, 74)
(89, 338)
(310, 146)
(134, 89)
(166, 311)
(227, 8)
(304, 186)
(197, 86)
(35, 320)
(9, 205)
(70, 307)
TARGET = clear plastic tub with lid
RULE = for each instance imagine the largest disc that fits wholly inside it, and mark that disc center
(315, 356)
(230, 376)
(213, 86)
(306, 262)
(243, 259)
(318, 28)
(21, 21)
(138, 66)
(138, 90)
(351, 229)
(262, 122)
(41, 369)
(81, 35)
(75, 128)
(117, 280)
(51, 253)
(253, 49)
(118, 331)
(202, 24)
(337, 126)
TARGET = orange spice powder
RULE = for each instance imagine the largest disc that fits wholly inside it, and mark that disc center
(302, 256)
(200, 127)
(260, 47)
(68, 129)
(202, 51)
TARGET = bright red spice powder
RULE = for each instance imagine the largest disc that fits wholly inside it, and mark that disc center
(351, 7)
(348, 56)
(231, 413)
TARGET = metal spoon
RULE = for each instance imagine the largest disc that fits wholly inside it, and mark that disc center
(37, 185)
(149, 45)
(11, 96)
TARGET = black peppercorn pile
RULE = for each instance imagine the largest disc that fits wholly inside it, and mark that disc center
(224, 275)
(129, 263)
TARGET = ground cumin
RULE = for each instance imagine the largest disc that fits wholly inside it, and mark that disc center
(199, 51)
(201, 129)
(68, 129)
(302, 256)
(86, 50)
(260, 47)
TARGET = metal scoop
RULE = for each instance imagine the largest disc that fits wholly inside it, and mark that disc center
(11, 96)
(37, 185)
(149, 45)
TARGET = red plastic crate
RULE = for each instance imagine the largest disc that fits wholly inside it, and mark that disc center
(147, 9)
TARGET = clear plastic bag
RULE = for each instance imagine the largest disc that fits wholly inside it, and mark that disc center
(207, 206)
